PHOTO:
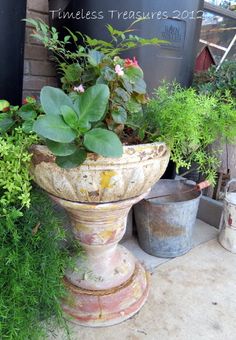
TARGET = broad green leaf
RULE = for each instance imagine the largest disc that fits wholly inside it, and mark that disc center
(103, 142)
(108, 74)
(101, 80)
(54, 128)
(120, 115)
(52, 99)
(27, 112)
(70, 116)
(95, 57)
(127, 84)
(92, 104)
(27, 126)
(6, 122)
(135, 84)
(61, 149)
(140, 86)
(122, 94)
(72, 161)
(134, 72)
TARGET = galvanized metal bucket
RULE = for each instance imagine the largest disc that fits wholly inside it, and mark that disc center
(227, 234)
(165, 223)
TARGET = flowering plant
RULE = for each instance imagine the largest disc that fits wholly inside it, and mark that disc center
(100, 92)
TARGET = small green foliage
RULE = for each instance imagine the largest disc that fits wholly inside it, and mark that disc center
(120, 41)
(15, 183)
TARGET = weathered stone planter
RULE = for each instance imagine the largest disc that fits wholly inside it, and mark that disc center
(110, 285)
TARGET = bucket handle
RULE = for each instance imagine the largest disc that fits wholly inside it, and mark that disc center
(197, 187)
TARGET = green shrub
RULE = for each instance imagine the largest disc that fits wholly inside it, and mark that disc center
(31, 270)
(32, 263)
(222, 80)
(188, 123)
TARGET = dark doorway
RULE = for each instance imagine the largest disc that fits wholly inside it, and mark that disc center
(12, 31)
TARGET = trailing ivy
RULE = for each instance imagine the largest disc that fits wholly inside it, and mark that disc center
(32, 262)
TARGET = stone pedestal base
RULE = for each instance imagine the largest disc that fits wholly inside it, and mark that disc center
(109, 285)
(107, 307)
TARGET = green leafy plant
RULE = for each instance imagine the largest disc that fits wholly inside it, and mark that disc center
(97, 61)
(101, 91)
(72, 127)
(32, 261)
(15, 116)
(15, 180)
(188, 123)
(32, 265)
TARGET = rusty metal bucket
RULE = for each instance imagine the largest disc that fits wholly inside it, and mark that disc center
(227, 234)
(165, 223)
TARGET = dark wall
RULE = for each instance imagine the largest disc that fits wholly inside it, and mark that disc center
(11, 49)
(175, 21)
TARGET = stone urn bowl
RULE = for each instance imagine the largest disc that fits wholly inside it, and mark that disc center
(109, 285)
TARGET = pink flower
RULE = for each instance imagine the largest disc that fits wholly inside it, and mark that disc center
(119, 70)
(130, 62)
(79, 88)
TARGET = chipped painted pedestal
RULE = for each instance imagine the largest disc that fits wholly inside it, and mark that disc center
(109, 285)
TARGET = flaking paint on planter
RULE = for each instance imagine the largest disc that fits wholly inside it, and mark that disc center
(101, 179)
(109, 285)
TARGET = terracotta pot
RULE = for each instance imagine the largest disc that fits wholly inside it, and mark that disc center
(109, 285)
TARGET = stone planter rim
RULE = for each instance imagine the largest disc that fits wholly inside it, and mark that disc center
(101, 179)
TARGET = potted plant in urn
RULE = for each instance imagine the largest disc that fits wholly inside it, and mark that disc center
(94, 165)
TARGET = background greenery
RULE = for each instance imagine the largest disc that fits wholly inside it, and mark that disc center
(220, 81)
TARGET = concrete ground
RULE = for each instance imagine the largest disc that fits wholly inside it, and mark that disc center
(192, 297)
